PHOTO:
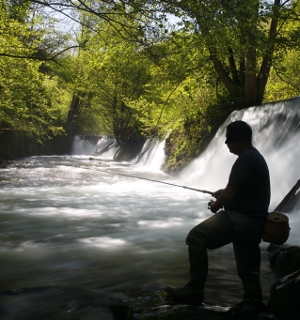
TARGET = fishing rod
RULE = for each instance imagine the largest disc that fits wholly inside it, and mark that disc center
(148, 179)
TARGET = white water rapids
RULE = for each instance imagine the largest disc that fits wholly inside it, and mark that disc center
(67, 222)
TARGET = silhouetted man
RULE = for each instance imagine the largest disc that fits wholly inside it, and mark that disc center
(245, 201)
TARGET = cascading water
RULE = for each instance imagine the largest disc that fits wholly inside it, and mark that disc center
(276, 134)
(74, 221)
(84, 146)
(152, 156)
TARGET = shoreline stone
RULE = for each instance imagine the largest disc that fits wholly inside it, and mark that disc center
(139, 309)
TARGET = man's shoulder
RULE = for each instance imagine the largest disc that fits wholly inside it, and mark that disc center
(251, 153)
(250, 158)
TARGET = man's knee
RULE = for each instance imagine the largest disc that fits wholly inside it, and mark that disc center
(195, 237)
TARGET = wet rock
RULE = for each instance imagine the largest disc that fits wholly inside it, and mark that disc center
(5, 163)
(285, 293)
(251, 309)
(156, 306)
(125, 311)
(286, 260)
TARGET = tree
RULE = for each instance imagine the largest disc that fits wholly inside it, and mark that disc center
(242, 38)
(284, 77)
(111, 74)
(27, 94)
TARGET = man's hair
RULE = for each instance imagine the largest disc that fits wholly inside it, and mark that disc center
(240, 129)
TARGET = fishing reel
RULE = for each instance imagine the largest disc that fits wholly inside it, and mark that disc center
(209, 204)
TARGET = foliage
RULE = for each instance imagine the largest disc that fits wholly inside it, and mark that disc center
(197, 125)
(241, 38)
(110, 74)
(284, 78)
(31, 99)
(130, 74)
(25, 98)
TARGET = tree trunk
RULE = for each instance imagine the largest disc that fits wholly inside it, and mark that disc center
(70, 123)
(266, 65)
(250, 72)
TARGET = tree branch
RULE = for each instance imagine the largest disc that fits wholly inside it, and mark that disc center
(32, 57)
(233, 68)
(283, 80)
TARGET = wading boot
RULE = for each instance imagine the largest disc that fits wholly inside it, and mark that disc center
(192, 292)
(185, 294)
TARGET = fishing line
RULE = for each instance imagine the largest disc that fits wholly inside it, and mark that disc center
(143, 178)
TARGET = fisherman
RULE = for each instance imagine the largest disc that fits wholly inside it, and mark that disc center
(244, 207)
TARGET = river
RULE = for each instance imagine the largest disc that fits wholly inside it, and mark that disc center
(87, 222)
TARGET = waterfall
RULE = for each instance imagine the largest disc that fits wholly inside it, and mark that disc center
(276, 134)
(152, 155)
(84, 146)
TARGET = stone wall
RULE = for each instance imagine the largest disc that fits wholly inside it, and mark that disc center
(20, 144)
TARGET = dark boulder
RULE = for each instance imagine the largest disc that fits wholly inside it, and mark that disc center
(285, 297)
(285, 261)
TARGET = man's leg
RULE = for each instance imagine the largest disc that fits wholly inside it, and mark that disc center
(192, 292)
(198, 268)
(212, 233)
(247, 258)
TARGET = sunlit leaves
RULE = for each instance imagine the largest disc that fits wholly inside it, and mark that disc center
(134, 71)
(26, 100)
(15, 36)
(284, 79)
(242, 38)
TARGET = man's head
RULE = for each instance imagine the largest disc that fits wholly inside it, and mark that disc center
(239, 130)
(238, 137)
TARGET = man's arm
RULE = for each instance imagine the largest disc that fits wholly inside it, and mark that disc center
(225, 197)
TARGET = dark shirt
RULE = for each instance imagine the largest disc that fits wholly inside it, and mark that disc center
(250, 174)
